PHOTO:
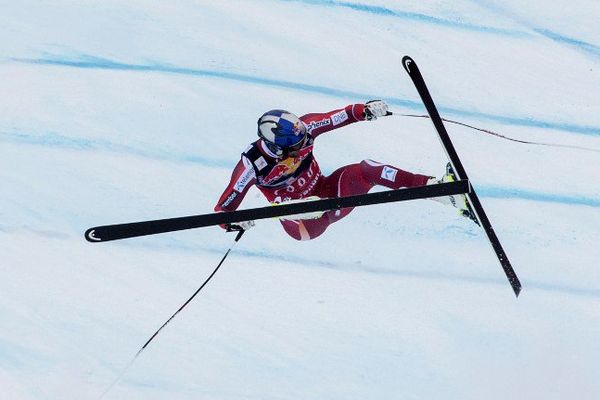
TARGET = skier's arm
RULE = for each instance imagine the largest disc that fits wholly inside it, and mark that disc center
(318, 123)
(242, 179)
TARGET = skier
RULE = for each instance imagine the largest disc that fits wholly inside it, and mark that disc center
(282, 166)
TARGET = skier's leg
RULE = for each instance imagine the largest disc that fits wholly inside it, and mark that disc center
(350, 180)
(355, 179)
(312, 228)
(389, 176)
(305, 229)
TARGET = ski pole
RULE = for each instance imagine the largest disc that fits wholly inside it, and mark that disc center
(499, 135)
(237, 238)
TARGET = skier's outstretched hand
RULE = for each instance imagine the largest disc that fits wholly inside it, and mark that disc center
(375, 109)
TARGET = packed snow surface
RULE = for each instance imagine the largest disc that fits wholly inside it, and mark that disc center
(115, 111)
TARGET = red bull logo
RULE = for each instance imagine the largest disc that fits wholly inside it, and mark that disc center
(287, 166)
(298, 128)
(284, 167)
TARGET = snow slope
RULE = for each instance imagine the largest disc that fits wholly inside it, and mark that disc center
(123, 111)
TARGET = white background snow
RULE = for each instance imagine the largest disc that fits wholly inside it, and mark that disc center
(116, 111)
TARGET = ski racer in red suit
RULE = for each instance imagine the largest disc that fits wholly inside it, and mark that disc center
(282, 166)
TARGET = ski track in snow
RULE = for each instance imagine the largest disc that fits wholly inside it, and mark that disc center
(54, 140)
(574, 43)
(91, 62)
(579, 45)
(315, 263)
(412, 16)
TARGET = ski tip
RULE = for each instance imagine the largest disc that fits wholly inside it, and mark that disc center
(90, 236)
(407, 62)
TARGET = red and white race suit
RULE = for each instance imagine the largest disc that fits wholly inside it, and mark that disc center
(300, 176)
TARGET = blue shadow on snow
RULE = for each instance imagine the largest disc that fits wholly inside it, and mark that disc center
(88, 62)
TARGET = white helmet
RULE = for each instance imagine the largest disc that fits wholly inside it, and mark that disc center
(281, 131)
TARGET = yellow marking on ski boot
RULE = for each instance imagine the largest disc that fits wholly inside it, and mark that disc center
(302, 216)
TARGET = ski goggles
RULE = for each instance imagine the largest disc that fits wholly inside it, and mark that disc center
(286, 151)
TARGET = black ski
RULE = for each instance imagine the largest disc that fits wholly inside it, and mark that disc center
(135, 229)
(413, 71)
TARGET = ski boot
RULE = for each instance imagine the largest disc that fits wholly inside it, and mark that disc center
(303, 216)
(459, 201)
